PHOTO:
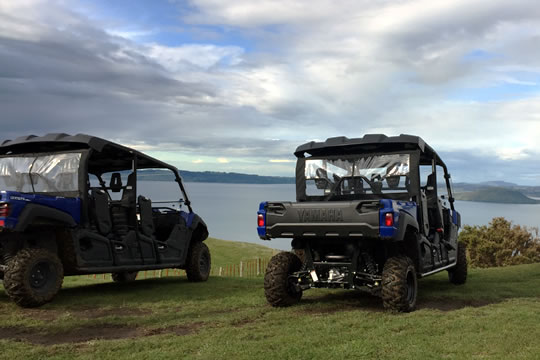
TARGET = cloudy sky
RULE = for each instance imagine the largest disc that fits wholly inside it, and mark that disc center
(236, 85)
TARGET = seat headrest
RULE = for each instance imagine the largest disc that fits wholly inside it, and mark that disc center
(430, 183)
(116, 182)
(142, 198)
(376, 187)
(393, 181)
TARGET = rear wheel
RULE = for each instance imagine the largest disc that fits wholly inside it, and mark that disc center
(124, 276)
(458, 274)
(399, 284)
(33, 277)
(278, 288)
(199, 262)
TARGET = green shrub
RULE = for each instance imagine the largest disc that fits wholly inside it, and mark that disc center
(501, 244)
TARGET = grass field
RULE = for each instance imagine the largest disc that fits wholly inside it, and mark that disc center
(496, 315)
(226, 252)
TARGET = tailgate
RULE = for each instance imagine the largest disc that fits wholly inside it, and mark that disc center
(359, 218)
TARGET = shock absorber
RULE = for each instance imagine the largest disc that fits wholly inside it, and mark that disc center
(369, 265)
(8, 249)
(6, 257)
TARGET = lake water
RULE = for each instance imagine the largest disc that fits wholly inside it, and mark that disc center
(230, 210)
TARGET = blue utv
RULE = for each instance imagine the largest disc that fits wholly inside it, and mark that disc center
(71, 205)
(373, 213)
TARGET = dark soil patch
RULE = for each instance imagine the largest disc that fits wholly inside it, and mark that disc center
(339, 302)
(446, 304)
(88, 333)
(334, 309)
(35, 336)
(83, 313)
(371, 307)
(42, 314)
(213, 312)
(243, 322)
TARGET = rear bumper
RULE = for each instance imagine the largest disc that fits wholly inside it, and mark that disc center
(337, 230)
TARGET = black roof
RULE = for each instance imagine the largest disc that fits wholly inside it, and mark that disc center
(368, 143)
(107, 156)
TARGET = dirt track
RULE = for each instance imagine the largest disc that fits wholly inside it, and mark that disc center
(117, 331)
(94, 332)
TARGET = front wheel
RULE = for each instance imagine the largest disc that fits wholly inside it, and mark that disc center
(278, 289)
(399, 284)
(458, 274)
(33, 277)
(199, 262)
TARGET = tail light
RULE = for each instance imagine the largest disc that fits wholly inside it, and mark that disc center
(4, 210)
(260, 220)
(389, 219)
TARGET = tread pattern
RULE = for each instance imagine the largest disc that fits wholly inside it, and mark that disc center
(276, 287)
(17, 278)
(458, 274)
(394, 284)
(198, 251)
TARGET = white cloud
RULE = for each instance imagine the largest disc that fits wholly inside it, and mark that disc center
(138, 146)
(512, 154)
(222, 160)
(179, 58)
(282, 69)
(197, 161)
(511, 80)
(266, 12)
(131, 34)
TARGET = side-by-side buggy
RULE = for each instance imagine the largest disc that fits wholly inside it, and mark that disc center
(372, 213)
(72, 205)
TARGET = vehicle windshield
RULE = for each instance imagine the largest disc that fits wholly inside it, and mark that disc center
(376, 174)
(53, 173)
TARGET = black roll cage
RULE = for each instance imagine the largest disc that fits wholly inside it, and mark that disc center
(301, 180)
(371, 145)
(134, 168)
(99, 156)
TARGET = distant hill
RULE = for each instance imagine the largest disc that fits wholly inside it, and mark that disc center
(496, 195)
(499, 184)
(489, 191)
(213, 177)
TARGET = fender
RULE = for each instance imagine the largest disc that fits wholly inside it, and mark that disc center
(31, 212)
(197, 223)
(405, 219)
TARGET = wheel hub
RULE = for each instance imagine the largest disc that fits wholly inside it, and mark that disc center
(39, 275)
(203, 263)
